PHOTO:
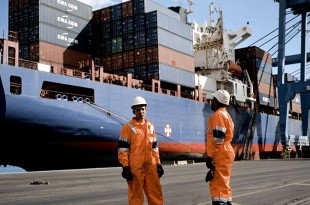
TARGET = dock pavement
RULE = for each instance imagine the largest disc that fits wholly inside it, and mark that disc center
(258, 182)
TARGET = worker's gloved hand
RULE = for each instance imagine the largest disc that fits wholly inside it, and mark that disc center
(160, 170)
(210, 163)
(126, 174)
(210, 175)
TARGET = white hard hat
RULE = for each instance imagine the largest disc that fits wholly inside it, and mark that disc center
(222, 96)
(138, 101)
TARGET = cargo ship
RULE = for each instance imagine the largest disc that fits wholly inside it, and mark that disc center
(68, 75)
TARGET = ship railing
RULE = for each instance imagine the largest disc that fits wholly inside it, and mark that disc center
(28, 64)
(12, 36)
(147, 87)
(126, 81)
(169, 92)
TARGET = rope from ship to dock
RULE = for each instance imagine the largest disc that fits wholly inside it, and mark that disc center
(115, 117)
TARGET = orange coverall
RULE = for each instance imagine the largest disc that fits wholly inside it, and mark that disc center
(138, 149)
(219, 135)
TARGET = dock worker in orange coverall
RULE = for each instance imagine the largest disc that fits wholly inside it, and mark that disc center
(139, 156)
(220, 154)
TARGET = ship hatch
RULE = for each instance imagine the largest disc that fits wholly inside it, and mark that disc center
(66, 92)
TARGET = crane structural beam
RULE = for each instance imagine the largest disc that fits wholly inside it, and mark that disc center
(293, 59)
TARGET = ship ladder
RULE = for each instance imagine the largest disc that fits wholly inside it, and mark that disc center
(249, 140)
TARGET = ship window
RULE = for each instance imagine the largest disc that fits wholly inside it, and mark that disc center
(66, 92)
(15, 85)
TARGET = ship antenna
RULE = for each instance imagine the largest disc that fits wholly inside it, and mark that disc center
(211, 11)
(190, 10)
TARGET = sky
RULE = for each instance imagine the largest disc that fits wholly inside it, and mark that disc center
(262, 15)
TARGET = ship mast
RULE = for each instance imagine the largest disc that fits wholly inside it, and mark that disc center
(190, 10)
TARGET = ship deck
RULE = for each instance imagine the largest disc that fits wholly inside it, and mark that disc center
(280, 181)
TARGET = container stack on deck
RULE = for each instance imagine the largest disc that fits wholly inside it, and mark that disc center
(145, 39)
(51, 32)
(258, 63)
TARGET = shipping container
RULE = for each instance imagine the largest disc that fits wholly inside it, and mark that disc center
(117, 28)
(140, 72)
(123, 72)
(24, 51)
(106, 47)
(128, 25)
(265, 88)
(176, 76)
(107, 63)
(102, 15)
(152, 55)
(96, 19)
(173, 41)
(61, 19)
(127, 9)
(139, 39)
(253, 52)
(128, 59)
(22, 4)
(57, 55)
(34, 51)
(72, 7)
(150, 6)
(265, 99)
(253, 66)
(65, 38)
(264, 77)
(140, 57)
(116, 12)
(139, 22)
(175, 59)
(117, 44)
(138, 7)
(106, 30)
(151, 20)
(151, 37)
(152, 72)
(117, 61)
(128, 42)
(175, 26)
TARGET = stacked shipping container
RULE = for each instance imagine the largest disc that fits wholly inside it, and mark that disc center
(51, 32)
(145, 39)
(258, 63)
(138, 36)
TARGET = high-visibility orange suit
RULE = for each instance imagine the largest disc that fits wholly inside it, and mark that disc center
(219, 135)
(138, 149)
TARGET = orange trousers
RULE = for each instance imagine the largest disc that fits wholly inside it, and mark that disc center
(145, 180)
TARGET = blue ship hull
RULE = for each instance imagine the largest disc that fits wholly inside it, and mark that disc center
(40, 133)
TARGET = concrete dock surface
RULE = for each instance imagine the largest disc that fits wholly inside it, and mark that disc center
(259, 182)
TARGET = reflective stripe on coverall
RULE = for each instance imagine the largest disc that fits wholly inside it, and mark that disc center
(138, 149)
(219, 135)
